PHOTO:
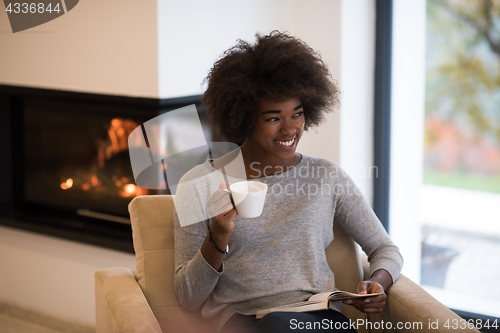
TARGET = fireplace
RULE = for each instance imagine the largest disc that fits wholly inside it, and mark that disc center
(68, 170)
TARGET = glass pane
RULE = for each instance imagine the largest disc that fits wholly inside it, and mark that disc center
(461, 191)
(78, 160)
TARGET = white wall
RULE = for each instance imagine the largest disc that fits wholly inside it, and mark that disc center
(344, 33)
(113, 47)
(319, 26)
(53, 275)
(193, 34)
(407, 130)
(357, 75)
(104, 47)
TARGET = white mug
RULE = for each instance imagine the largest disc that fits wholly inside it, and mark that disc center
(249, 198)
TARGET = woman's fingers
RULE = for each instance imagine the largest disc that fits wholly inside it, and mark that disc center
(219, 203)
(223, 223)
(373, 304)
(230, 214)
(221, 210)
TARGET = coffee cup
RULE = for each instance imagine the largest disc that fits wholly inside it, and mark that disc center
(249, 198)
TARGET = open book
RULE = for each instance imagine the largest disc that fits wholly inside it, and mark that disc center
(314, 303)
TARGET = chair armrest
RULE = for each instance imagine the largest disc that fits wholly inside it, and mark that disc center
(407, 302)
(120, 304)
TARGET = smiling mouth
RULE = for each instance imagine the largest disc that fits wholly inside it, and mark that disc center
(286, 143)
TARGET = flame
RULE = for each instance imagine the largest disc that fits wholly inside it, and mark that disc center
(94, 180)
(67, 184)
(116, 122)
(118, 131)
(130, 188)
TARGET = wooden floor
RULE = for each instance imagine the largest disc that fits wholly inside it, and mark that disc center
(15, 319)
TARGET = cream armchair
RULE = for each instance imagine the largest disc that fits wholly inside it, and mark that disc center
(145, 301)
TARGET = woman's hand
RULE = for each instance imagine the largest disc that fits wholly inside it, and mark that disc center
(222, 211)
(379, 282)
(374, 304)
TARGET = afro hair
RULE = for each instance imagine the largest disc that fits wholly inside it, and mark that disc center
(278, 66)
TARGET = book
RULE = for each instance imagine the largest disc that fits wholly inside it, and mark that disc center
(316, 302)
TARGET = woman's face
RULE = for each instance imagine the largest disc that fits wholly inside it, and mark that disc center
(278, 128)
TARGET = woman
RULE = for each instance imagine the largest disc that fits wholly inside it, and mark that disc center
(263, 97)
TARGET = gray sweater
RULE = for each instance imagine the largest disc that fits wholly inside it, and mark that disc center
(279, 257)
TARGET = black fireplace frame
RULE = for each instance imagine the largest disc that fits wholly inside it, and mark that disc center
(53, 222)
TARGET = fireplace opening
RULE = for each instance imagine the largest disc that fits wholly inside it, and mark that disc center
(69, 171)
(78, 161)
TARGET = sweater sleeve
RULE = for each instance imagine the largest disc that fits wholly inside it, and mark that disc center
(194, 277)
(357, 218)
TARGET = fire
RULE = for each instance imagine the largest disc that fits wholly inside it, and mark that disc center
(130, 188)
(67, 184)
(99, 179)
(94, 180)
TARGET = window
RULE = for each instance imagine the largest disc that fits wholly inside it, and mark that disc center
(445, 149)
(460, 195)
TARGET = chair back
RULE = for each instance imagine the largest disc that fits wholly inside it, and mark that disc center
(152, 222)
(344, 260)
(153, 235)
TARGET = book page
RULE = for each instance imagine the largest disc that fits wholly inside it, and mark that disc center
(323, 297)
(341, 295)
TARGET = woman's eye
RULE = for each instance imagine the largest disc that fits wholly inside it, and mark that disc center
(298, 114)
(272, 119)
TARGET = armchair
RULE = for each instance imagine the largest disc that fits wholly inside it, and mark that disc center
(145, 300)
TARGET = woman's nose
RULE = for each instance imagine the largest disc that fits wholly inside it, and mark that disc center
(287, 128)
